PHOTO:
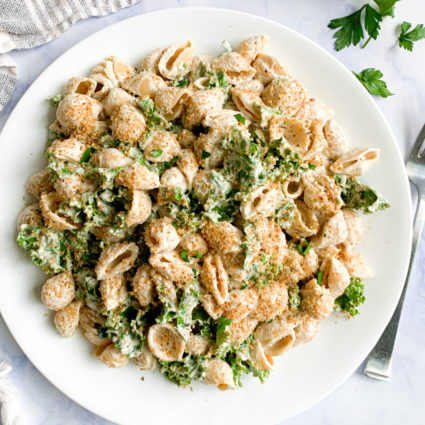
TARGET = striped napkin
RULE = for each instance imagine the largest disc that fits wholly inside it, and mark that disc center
(28, 23)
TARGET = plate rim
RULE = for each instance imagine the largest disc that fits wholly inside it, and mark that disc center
(323, 51)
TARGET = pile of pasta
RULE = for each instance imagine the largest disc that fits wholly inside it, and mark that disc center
(197, 214)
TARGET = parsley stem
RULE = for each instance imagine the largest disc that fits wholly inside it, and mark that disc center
(367, 42)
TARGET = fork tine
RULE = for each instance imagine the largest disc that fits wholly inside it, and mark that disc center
(414, 154)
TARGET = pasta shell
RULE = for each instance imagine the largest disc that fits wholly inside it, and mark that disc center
(78, 112)
(211, 306)
(30, 215)
(285, 95)
(143, 285)
(49, 204)
(188, 165)
(304, 223)
(113, 291)
(335, 276)
(185, 138)
(234, 265)
(236, 67)
(209, 142)
(165, 144)
(170, 101)
(248, 103)
(58, 291)
(113, 357)
(240, 303)
(260, 359)
(141, 208)
(263, 203)
(109, 73)
(198, 345)
(240, 330)
(356, 162)
(252, 47)
(316, 300)
(112, 158)
(306, 328)
(276, 337)
(292, 189)
(223, 121)
(171, 266)
(214, 278)
(150, 62)
(268, 69)
(144, 84)
(335, 138)
(322, 194)
(272, 302)
(219, 373)
(137, 176)
(127, 123)
(174, 178)
(175, 60)
(255, 86)
(81, 85)
(116, 259)
(223, 237)
(334, 232)
(67, 319)
(39, 182)
(161, 236)
(201, 103)
(115, 98)
(165, 342)
(90, 322)
(146, 360)
(194, 244)
(355, 227)
(72, 186)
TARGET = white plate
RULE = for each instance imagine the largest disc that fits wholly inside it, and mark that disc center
(304, 375)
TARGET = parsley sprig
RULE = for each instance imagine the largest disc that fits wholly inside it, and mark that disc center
(371, 79)
(407, 38)
(350, 27)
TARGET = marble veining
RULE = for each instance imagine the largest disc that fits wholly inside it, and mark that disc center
(359, 400)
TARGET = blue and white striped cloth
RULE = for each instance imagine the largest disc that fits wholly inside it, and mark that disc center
(28, 23)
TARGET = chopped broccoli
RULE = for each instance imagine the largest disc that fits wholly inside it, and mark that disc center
(352, 297)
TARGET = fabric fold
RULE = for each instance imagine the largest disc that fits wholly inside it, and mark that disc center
(25, 24)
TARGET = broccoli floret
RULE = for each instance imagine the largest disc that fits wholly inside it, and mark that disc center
(352, 297)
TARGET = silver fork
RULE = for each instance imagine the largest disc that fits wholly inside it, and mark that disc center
(378, 364)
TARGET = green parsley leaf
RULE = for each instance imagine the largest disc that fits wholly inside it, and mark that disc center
(240, 118)
(198, 254)
(351, 27)
(386, 7)
(86, 155)
(156, 153)
(180, 83)
(169, 164)
(205, 154)
(371, 79)
(319, 278)
(311, 166)
(371, 22)
(184, 256)
(221, 334)
(303, 247)
(352, 297)
(407, 39)
(351, 30)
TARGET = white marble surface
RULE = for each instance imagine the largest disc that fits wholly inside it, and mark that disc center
(359, 400)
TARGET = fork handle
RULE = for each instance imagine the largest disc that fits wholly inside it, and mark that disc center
(378, 364)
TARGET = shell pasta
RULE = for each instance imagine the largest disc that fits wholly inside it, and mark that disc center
(197, 215)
